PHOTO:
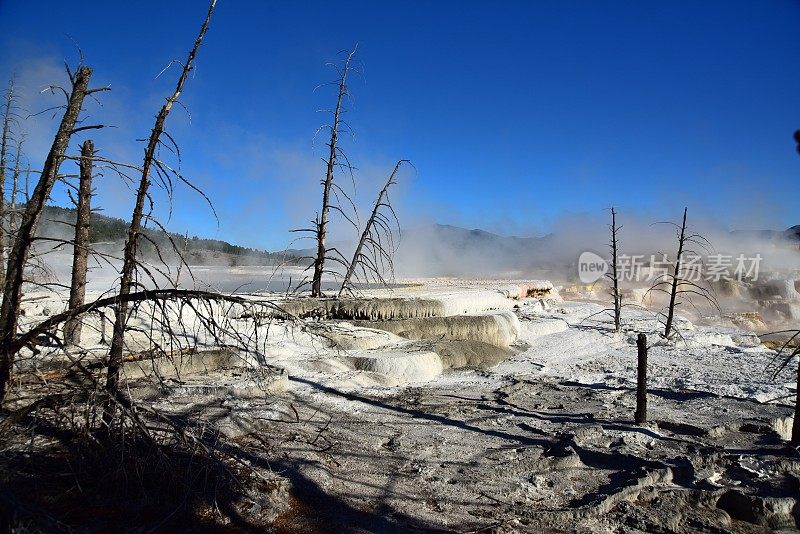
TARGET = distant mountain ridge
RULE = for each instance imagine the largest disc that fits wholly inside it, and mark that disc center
(425, 250)
(58, 222)
(447, 250)
(790, 234)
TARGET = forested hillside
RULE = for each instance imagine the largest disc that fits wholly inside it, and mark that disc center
(197, 250)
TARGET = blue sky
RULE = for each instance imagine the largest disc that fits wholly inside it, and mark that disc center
(515, 114)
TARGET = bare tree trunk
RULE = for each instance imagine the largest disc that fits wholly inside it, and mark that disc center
(7, 118)
(615, 272)
(796, 425)
(641, 380)
(18, 257)
(129, 255)
(27, 184)
(12, 223)
(103, 322)
(675, 278)
(80, 254)
(182, 260)
(322, 221)
(367, 233)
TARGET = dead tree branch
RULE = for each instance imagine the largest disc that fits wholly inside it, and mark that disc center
(12, 223)
(154, 295)
(373, 254)
(327, 185)
(129, 256)
(80, 253)
(18, 257)
(679, 281)
(613, 275)
(675, 278)
(9, 114)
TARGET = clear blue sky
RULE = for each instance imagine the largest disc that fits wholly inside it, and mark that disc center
(514, 113)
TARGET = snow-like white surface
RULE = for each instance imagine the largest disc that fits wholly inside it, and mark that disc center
(570, 341)
(403, 366)
(717, 360)
(499, 328)
(447, 301)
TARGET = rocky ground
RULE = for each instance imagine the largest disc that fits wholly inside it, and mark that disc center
(539, 437)
(480, 453)
(543, 441)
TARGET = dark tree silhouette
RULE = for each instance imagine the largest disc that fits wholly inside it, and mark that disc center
(678, 283)
(328, 185)
(9, 119)
(80, 253)
(614, 273)
(373, 254)
(20, 251)
(641, 379)
(15, 174)
(129, 255)
(795, 352)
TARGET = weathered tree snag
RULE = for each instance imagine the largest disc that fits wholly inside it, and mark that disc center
(7, 119)
(80, 254)
(103, 322)
(675, 278)
(614, 274)
(182, 260)
(796, 425)
(375, 223)
(683, 283)
(18, 256)
(27, 184)
(129, 255)
(641, 380)
(12, 220)
(322, 221)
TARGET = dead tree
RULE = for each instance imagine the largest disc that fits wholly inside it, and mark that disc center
(678, 281)
(184, 251)
(614, 273)
(675, 277)
(373, 254)
(334, 152)
(28, 172)
(80, 253)
(18, 256)
(8, 119)
(796, 424)
(641, 379)
(789, 350)
(149, 165)
(72, 399)
(12, 215)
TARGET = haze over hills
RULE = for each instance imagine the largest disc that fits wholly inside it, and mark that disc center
(441, 249)
(425, 250)
(446, 250)
(790, 234)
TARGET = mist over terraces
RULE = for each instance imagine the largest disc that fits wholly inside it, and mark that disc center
(607, 341)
